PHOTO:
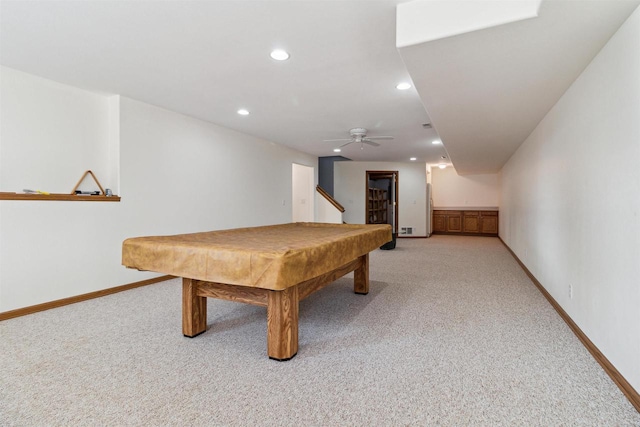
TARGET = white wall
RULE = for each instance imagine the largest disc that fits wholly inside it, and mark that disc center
(451, 190)
(351, 192)
(178, 175)
(327, 213)
(570, 205)
(51, 134)
(303, 197)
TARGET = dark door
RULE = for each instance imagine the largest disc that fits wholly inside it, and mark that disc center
(382, 198)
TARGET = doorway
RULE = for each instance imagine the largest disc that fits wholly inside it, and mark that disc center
(302, 198)
(382, 198)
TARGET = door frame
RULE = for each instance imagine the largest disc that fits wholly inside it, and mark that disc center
(369, 175)
(305, 194)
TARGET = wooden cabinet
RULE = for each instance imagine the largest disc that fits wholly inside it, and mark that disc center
(439, 222)
(471, 222)
(454, 222)
(377, 206)
(489, 222)
(447, 221)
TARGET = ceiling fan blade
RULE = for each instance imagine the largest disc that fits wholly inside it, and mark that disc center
(344, 145)
(337, 140)
(379, 137)
(366, 141)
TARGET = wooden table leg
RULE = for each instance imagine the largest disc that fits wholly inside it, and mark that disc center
(361, 276)
(194, 310)
(282, 324)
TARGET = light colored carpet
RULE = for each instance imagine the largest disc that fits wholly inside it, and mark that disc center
(453, 333)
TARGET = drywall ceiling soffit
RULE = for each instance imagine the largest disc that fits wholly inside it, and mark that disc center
(208, 59)
(486, 90)
(424, 21)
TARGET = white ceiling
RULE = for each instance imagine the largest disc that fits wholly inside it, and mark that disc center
(485, 90)
(208, 59)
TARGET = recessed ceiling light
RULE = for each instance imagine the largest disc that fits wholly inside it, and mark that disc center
(436, 142)
(442, 166)
(243, 112)
(336, 150)
(403, 86)
(413, 159)
(280, 55)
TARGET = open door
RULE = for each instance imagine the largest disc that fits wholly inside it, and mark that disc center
(382, 201)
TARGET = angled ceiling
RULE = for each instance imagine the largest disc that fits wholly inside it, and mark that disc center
(485, 90)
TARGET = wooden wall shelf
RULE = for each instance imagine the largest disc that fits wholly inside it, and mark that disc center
(58, 197)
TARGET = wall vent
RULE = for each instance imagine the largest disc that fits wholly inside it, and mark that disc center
(406, 230)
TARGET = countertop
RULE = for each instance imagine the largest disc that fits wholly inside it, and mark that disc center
(467, 208)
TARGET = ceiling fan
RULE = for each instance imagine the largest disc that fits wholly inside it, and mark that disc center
(359, 135)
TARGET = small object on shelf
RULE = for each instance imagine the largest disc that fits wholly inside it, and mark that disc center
(74, 191)
(87, 193)
(27, 191)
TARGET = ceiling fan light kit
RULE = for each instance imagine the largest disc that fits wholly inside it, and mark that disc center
(359, 135)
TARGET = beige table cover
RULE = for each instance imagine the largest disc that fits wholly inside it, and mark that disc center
(270, 257)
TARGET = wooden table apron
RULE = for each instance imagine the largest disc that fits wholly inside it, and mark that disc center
(282, 305)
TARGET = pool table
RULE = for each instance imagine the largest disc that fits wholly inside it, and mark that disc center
(273, 266)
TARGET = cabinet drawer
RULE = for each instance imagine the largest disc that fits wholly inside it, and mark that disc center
(489, 213)
(471, 213)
